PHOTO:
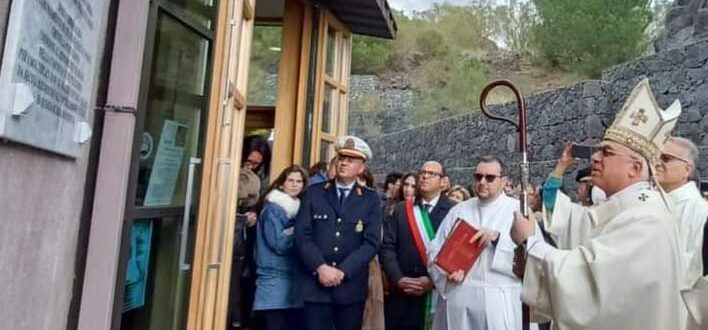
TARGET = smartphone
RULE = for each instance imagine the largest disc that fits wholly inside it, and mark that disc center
(581, 151)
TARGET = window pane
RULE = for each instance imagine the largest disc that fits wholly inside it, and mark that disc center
(265, 59)
(331, 46)
(325, 150)
(342, 61)
(329, 106)
(201, 11)
(176, 101)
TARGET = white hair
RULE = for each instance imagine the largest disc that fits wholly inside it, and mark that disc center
(687, 145)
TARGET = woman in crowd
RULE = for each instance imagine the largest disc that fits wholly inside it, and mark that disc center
(458, 194)
(253, 178)
(277, 298)
(374, 305)
(408, 186)
(366, 179)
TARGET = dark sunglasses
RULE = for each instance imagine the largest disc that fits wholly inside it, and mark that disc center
(487, 177)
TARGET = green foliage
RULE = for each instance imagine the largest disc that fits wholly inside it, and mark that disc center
(448, 88)
(369, 54)
(442, 51)
(265, 56)
(590, 35)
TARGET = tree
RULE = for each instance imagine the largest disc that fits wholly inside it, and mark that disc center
(590, 35)
(370, 55)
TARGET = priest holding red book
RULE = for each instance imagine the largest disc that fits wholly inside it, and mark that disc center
(488, 295)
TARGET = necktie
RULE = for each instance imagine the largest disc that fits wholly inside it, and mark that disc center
(427, 207)
(342, 195)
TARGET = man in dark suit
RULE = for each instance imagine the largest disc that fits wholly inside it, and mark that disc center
(403, 254)
(337, 234)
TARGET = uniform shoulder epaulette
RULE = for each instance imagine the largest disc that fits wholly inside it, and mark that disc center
(364, 188)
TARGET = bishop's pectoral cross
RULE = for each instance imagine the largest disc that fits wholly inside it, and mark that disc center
(639, 116)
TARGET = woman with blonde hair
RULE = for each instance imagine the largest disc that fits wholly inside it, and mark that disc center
(458, 194)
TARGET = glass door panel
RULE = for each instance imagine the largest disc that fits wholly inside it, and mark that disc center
(201, 11)
(158, 272)
(175, 106)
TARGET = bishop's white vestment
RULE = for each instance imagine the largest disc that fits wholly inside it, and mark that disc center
(490, 295)
(697, 302)
(568, 224)
(627, 275)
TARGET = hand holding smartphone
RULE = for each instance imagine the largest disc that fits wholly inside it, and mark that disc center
(581, 151)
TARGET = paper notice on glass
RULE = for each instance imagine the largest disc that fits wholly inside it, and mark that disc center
(136, 273)
(167, 165)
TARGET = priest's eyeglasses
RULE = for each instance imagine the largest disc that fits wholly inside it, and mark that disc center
(607, 151)
(667, 158)
(487, 177)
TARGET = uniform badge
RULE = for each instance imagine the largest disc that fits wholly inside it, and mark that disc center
(643, 197)
(359, 226)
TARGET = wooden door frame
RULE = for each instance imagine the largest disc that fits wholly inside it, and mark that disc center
(209, 299)
(293, 77)
(327, 19)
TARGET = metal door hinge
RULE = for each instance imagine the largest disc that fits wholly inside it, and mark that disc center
(116, 108)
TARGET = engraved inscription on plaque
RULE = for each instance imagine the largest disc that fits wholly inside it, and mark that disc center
(49, 69)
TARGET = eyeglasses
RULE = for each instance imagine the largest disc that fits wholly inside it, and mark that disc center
(607, 151)
(429, 173)
(666, 158)
(487, 177)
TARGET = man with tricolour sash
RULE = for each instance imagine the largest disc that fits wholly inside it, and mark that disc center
(407, 235)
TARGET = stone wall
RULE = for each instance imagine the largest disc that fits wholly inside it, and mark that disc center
(4, 16)
(686, 21)
(579, 112)
(395, 100)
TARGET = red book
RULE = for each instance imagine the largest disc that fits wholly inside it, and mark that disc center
(457, 253)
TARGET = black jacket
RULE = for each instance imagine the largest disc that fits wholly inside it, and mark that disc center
(346, 237)
(400, 258)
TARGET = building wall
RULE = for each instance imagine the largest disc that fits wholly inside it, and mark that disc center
(41, 199)
(579, 112)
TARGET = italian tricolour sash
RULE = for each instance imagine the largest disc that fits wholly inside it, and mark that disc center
(423, 233)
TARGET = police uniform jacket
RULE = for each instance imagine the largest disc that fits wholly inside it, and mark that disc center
(345, 237)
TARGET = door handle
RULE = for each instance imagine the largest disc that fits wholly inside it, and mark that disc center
(184, 232)
(225, 170)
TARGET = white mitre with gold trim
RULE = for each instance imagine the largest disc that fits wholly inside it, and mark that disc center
(641, 125)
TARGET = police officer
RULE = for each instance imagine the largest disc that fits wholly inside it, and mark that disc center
(337, 233)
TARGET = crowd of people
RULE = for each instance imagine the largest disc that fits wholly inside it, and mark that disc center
(323, 249)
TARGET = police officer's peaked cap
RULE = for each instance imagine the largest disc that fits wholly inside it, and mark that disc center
(353, 146)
